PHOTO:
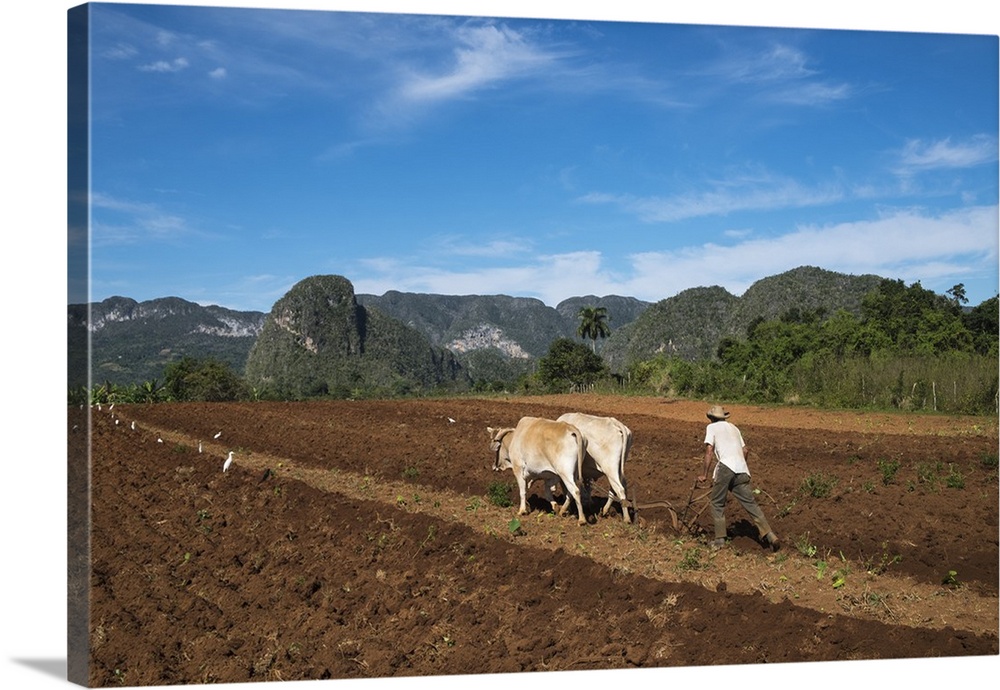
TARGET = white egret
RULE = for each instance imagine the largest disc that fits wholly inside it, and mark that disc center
(229, 461)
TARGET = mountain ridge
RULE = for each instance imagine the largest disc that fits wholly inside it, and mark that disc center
(492, 336)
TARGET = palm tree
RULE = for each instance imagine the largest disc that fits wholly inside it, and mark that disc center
(593, 324)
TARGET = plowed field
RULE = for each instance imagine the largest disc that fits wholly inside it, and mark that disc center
(357, 539)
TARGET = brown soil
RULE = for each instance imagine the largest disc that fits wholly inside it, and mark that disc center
(357, 540)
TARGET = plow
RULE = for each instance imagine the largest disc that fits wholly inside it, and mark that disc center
(683, 516)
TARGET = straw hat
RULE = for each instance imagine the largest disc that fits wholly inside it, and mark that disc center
(717, 413)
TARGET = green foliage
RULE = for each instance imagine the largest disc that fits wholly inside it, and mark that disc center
(498, 493)
(569, 364)
(906, 348)
(989, 461)
(954, 479)
(888, 469)
(805, 546)
(691, 560)
(818, 485)
(929, 474)
(207, 380)
(593, 324)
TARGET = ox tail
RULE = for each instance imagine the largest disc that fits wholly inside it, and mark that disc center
(626, 446)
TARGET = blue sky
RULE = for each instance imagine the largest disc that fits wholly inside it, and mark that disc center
(236, 151)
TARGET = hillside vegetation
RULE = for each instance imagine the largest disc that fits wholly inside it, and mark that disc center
(806, 336)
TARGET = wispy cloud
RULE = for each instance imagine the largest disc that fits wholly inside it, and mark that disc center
(919, 155)
(754, 191)
(483, 56)
(175, 65)
(777, 74)
(118, 221)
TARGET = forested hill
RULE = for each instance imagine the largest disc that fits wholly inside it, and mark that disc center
(691, 324)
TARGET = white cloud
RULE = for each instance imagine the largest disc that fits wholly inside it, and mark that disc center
(218, 73)
(486, 55)
(751, 192)
(550, 278)
(918, 155)
(117, 221)
(905, 244)
(176, 65)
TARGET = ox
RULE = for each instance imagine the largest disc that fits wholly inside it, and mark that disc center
(608, 445)
(542, 449)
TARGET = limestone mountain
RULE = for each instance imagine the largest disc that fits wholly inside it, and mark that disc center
(134, 341)
(318, 339)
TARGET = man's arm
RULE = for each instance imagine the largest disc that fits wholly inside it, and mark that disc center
(709, 456)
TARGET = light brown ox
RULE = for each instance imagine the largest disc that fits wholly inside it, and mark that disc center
(542, 449)
(608, 445)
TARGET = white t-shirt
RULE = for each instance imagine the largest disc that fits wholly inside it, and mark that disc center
(728, 442)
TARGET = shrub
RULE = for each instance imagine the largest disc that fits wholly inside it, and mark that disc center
(818, 485)
(954, 480)
(888, 468)
(498, 494)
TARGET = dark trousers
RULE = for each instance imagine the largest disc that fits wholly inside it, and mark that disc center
(739, 484)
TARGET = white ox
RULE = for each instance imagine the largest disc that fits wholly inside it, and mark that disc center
(608, 445)
(542, 449)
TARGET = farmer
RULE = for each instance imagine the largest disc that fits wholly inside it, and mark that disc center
(724, 441)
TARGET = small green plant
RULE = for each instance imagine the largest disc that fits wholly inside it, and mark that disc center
(498, 493)
(954, 480)
(951, 579)
(514, 527)
(820, 570)
(839, 578)
(929, 473)
(989, 461)
(787, 509)
(411, 473)
(473, 504)
(804, 546)
(888, 470)
(818, 485)
(869, 487)
(691, 560)
(874, 567)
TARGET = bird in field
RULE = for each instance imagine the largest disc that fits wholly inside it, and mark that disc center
(217, 435)
(228, 462)
(199, 446)
(133, 425)
(450, 420)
